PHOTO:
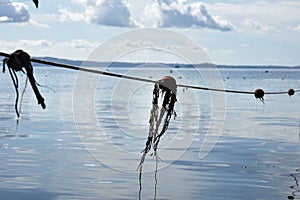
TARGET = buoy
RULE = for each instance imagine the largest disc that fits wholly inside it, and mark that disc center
(259, 93)
(168, 83)
(291, 92)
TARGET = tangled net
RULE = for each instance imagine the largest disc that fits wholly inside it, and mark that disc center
(16, 62)
(36, 3)
(167, 87)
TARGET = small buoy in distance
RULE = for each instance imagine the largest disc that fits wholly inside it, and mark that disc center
(291, 197)
(291, 92)
(259, 93)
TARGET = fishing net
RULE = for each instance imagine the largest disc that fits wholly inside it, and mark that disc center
(166, 88)
(16, 62)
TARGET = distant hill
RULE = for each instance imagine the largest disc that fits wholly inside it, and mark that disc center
(151, 65)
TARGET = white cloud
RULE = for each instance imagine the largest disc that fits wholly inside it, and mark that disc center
(16, 12)
(72, 44)
(260, 27)
(111, 13)
(271, 60)
(37, 24)
(275, 12)
(227, 52)
(31, 46)
(12, 45)
(163, 13)
(67, 49)
(294, 28)
(34, 43)
(13, 12)
(181, 14)
(80, 44)
(104, 12)
(67, 15)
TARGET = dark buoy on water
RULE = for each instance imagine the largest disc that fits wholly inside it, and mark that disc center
(259, 94)
(291, 92)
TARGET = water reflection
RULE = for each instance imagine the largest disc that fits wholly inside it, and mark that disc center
(28, 194)
(295, 187)
(155, 185)
(155, 182)
(256, 157)
(12, 132)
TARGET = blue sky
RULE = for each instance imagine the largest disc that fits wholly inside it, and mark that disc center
(231, 32)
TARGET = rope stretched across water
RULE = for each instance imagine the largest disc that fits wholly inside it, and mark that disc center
(67, 66)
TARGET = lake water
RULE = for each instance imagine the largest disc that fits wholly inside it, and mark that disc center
(87, 143)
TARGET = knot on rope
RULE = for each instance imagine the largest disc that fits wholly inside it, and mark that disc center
(15, 62)
(166, 87)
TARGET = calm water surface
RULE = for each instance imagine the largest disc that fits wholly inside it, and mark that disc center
(59, 153)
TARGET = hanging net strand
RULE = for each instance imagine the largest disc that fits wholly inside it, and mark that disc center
(167, 87)
(15, 62)
(36, 3)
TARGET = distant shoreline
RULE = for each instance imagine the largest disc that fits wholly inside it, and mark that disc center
(171, 65)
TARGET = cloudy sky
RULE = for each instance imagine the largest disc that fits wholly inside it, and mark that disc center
(231, 32)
